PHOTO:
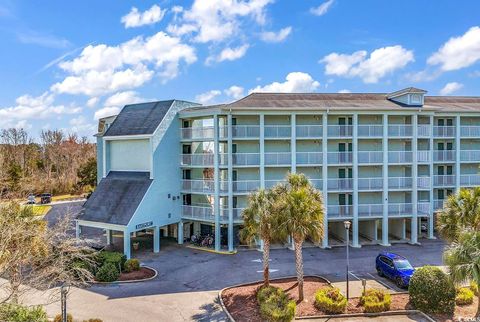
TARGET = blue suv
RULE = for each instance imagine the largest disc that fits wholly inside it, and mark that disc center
(394, 267)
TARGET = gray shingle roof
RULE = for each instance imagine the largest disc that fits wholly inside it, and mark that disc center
(116, 198)
(138, 119)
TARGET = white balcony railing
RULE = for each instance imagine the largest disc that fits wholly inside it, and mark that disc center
(370, 157)
(199, 186)
(423, 130)
(277, 131)
(340, 211)
(400, 182)
(423, 183)
(272, 182)
(470, 180)
(470, 131)
(245, 131)
(444, 155)
(317, 183)
(423, 208)
(438, 204)
(243, 186)
(309, 131)
(340, 184)
(370, 184)
(399, 209)
(198, 212)
(278, 158)
(199, 159)
(192, 133)
(245, 159)
(443, 131)
(470, 155)
(399, 156)
(444, 180)
(423, 156)
(340, 157)
(400, 130)
(370, 130)
(370, 210)
(309, 158)
(340, 130)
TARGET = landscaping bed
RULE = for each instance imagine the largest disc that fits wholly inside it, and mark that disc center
(464, 312)
(142, 274)
(241, 301)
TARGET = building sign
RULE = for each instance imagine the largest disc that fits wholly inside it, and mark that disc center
(144, 225)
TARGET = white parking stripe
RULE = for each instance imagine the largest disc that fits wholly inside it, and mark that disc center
(381, 282)
(354, 276)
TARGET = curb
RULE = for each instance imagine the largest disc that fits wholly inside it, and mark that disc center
(130, 281)
(211, 250)
(388, 313)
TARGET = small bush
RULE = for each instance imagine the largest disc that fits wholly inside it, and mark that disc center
(19, 313)
(116, 258)
(275, 306)
(464, 296)
(375, 301)
(474, 288)
(58, 318)
(431, 291)
(330, 300)
(132, 265)
(107, 273)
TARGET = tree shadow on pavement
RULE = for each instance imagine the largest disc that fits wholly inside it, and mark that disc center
(211, 312)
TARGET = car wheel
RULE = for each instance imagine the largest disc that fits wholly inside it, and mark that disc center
(399, 282)
(380, 272)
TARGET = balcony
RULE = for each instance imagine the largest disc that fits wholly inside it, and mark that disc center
(423, 208)
(277, 131)
(370, 184)
(400, 130)
(309, 158)
(444, 180)
(237, 215)
(245, 131)
(197, 133)
(245, 186)
(340, 131)
(470, 155)
(399, 157)
(423, 156)
(470, 180)
(278, 158)
(444, 156)
(470, 131)
(200, 159)
(370, 130)
(423, 131)
(317, 183)
(424, 183)
(438, 204)
(443, 131)
(309, 131)
(246, 159)
(198, 212)
(400, 209)
(369, 157)
(340, 184)
(198, 186)
(272, 182)
(400, 183)
(340, 211)
(370, 210)
(340, 157)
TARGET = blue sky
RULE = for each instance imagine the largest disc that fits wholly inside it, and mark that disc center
(63, 64)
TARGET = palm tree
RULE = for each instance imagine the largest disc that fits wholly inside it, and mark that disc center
(301, 208)
(461, 211)
(463, 259)
(260, 220)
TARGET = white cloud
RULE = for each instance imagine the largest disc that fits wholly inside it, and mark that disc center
(458, 52)
(106, 111)
(136, 19)
(450, 88)
(229, 54)
(207, 97)
(345, 91)
(121, 99)
(381, 62)
(271, 36)
(42, 39)
(217, 20)
(92, 102)
(81, 126)
(322, 9)
(103, 69)
(295, 82)
(234, 91)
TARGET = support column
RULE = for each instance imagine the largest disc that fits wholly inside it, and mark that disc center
(180, 232)
(104, 157)
(127, 245)
(262, 151)
(77, 230)
(457, 153)
(293, 143)
(355, 231)
(230, 183)
(430, 215)
(414, 221)
(108, 233)
(325, 177)
(216, 176)
(156, 239)
(385, 241)
(404, 228)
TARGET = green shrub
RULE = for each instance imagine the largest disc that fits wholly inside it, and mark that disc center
(330, 300)
(464, 296)
(58, 318)
(375, 301)
(431, 291)
(275, 306)
(116, 258)
(107, 273)
(19, 313)
(474, 287)
(132, 265)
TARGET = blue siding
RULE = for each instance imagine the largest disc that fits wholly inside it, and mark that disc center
(99, 159)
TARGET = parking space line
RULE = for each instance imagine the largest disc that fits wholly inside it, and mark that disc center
(381, 282)
(354, 276)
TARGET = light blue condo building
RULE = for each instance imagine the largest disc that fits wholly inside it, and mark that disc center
(384, 161)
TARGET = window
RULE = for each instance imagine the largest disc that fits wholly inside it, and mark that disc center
(187, 149)
(187, 174)
(186, 123)
(441, 194)
(187, 200)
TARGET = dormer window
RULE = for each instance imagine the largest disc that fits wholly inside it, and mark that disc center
(416, 99)
(409, 96)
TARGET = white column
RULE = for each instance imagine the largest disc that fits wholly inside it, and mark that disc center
(180, 232)
(355, 231)
(156, 239)
(108, 233)
(430, 215)
(262, 151)
(385, 241)
(293, 143)
(414, 221)
(127, 247)
(216, 175)
(78, 229)
(230, 183)
(104, 158)
(457, 153)
(325, 177)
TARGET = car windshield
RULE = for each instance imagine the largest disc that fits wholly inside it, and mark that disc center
(403, 264)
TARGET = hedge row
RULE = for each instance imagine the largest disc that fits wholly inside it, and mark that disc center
(275, 305)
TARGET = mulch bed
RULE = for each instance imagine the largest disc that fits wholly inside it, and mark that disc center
(141, 274)
(464, 312)
(241, 301)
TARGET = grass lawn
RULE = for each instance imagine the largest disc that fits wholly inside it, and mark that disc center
(66, 197)
(41, 210)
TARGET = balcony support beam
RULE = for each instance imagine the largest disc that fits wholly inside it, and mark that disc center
(431, 168)
(457, 153)
(414, 221)
(325, 177)
(216, 176)
(230, 183)
(355, 231)
(262, 151)
(293, 142)
(385, 241)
